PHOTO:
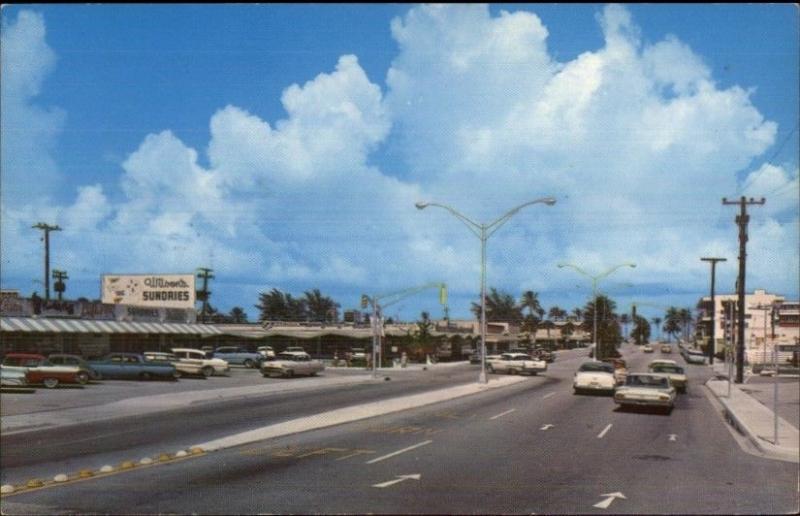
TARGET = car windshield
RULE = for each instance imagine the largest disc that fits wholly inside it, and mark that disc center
(666, 368)
(597, 367)
(640, 380)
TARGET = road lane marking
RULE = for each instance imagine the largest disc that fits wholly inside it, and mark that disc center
(398, 452)
(400, 478)
(673, 437)
(356, 452)
(548, 395)
(547, 426)
(321, 451)
(503, 413)
(606, 429)
(604, 504)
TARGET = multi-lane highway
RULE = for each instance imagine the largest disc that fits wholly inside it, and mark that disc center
(532, 447)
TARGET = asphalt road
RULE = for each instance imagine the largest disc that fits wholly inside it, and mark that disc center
(529, 448)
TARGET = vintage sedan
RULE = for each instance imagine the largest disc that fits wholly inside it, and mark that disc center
(12, 377)
(132, 366)
(666, 349)
(646, 390)
(694, 356)
(239, 356)
(516, 363)
(211, 366)
(288, 364)
(594, 376)
(670, 368)
(64, 359)
(184, 367)
(620, 369)
(647, 348)
(38, 370)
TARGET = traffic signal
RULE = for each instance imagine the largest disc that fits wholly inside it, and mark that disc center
(443, 295)
(364, 301)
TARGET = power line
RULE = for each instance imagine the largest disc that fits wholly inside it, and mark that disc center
(774, 155)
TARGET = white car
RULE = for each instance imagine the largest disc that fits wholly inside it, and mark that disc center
(671, 369)
(12, 377)
(266, 351)
(516, 363)
(184, 367)
(646, 390)
(288, 364)
(211, 366)
(694, 356)
(594, 376)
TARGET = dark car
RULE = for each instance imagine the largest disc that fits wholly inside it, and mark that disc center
(75, 361)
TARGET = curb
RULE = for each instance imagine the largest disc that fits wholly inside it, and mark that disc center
(768, 449)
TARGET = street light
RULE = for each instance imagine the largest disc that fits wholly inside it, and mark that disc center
(483, 232)
(595, 280)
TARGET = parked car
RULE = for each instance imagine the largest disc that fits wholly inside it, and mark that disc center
(355, 353)
(132, 366)
(646, 390)
(12, 377)
(647, 348)
(211, 366)
(38, 370)
(267, 352)
(694, 356)
(670, 368)
(288, 364)
(516, 363)
(74, 361)
(666, 348)
(184, 367)
(475, 357)
(547, 356)
(594, 376)
(620, 369)
(239, 356)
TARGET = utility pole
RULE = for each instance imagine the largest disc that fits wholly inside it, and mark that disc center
(742, 220)
(59, 285)
(713, 345)
(202, 295)
(47, 229)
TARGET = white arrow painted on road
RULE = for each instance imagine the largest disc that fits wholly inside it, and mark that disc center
(548, 425)
(400, 478)
(607, 502)
(673, 437)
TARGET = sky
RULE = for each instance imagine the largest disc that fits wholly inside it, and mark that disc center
(285, 146)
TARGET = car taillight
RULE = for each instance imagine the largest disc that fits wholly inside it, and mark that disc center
(663, 397)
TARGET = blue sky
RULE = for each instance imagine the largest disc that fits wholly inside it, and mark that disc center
(285, 145)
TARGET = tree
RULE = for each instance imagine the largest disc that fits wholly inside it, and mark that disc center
(685, 316)
(672, 322)
(641, 330)
(500, 307)
(608, 334)
(279, 306)
(321, 308)
(556, 313)
(422, 342)
(530, 300)
(238, 315)
(657, 322)
(577, 313)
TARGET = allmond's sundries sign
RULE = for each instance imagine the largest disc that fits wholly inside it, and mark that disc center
(154, 290)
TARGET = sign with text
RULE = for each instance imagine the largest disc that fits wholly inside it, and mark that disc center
(149, 290)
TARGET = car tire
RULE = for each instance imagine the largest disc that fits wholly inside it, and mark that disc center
(208, 371)
(312, 373)
(50, 383)
(83, 378)
(534, 373)
(289, 373)
(144, 376)
(249, 363)
(575, 390)
(512, 371)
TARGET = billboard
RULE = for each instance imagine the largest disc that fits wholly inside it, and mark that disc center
(149, 290)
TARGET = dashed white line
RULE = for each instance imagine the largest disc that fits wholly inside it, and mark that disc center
(503, 413)
(606, 429)
(398, 452)
(548, 395)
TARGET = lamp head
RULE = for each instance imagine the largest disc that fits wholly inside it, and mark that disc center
(550, 201)
(421, 205)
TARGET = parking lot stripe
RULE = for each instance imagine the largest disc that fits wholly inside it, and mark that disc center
(503, 413)
(398, 452)
(606, 429)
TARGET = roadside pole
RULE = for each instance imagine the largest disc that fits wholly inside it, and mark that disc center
(775, 394)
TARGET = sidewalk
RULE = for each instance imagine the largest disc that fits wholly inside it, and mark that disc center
(755, 420)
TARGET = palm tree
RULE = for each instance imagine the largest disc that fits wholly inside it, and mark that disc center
(685, 316)
(530, 300)
(556, 313)
(578, 313)
(657, 322)
(500, 307)
(641, 329)
(607, 328)
(321, 308)
(672, 322)
(238, 315)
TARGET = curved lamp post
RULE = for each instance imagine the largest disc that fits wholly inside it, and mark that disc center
(483, 232)
(595, 280)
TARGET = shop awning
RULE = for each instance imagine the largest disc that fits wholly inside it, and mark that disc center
(52, 325)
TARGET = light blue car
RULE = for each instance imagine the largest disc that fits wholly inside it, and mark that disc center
(239, 356)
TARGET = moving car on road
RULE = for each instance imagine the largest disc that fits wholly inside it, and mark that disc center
(594, 376)
(670, 368)
(543, 354)
(38, 369)
(239, 356)
(620, 369)
(647, 348)
(211, 366)
(666, 348)
(646, 390)
(516, 363)
(186, 367)
(288, 364)
(132, 366)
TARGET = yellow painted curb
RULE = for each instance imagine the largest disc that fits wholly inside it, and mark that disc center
(85, 473)
(34, 482)
(128, 464)
(196, 450)
(164, 457)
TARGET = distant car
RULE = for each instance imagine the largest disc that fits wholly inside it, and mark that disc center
(133, 366)
(184, 367)
(289, 364)
(74, 361)
(694, 356)
(594, 376)
(620, 369)
(646, 390)
(267, 352)
(12, 377)
(38, 370)
(211, 366)
(239, 356)
(294, 349)
(547, 356)
(647, 348)
(666, 348)
(670, 368)
(475, 357)
(355, 354)
(516, 363)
